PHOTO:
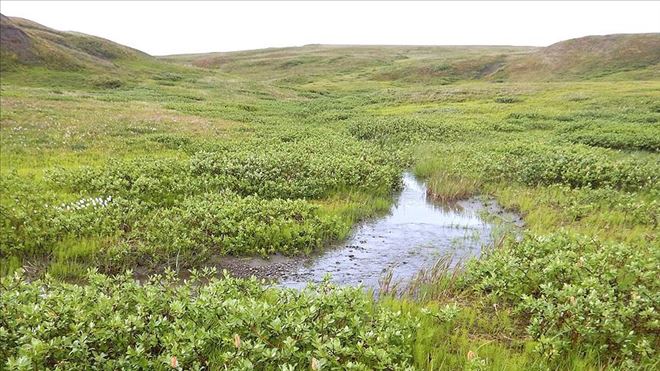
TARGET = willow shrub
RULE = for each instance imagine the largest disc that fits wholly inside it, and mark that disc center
(118, 323)
(227, 223)
(578, 292)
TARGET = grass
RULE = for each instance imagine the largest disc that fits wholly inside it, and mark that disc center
(286, 150)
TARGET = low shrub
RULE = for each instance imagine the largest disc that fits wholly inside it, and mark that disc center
(168, 76)
(107, 83)
(118, 323)
(645, 137)
(578, 292)
(226, 223)
(508, 100)
(398, 130)
(573, 166)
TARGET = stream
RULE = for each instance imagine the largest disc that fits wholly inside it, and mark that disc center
(416, 233)
(413, 236)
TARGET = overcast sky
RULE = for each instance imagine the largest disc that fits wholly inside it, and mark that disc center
(188, 27)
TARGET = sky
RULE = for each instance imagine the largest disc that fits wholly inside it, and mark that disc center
(171, 27)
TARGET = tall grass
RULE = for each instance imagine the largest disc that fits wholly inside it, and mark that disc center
(446, 187)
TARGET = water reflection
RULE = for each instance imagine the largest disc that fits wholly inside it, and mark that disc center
(413, 236)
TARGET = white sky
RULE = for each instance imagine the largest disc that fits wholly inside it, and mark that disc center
(188, 27)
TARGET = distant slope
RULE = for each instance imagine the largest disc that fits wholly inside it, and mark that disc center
(588, 57)
(634, 56)
(23, 42)
(624, 56)
(377, 62)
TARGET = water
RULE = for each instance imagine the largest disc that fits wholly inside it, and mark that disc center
(415, 234)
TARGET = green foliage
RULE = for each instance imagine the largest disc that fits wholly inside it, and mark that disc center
(32, 221)
(156, 181)
(229, 224)
(636, 136)
(507, 100)
(399, 130)
(107, 83)
(578, 292)
(192, 229)
(300, 172)
(573, 166)
(223, 323)
(168, 76)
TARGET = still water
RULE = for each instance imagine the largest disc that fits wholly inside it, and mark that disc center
(415, 234)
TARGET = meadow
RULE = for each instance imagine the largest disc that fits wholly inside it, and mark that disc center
(162, 164)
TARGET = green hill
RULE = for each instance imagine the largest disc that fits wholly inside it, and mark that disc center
(23, 42)
(590, 57)
(372, 62)
(635, 56)
(631, 56)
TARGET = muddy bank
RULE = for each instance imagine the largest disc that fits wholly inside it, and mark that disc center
(415, 234)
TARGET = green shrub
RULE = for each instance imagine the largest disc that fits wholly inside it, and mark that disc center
(507, 100)
(296, 174)
(107, 83)
(118, 323)
(226, 223)
(573, 166)
(168, 76)
(578, 292)
(399, 130)
(644, 137)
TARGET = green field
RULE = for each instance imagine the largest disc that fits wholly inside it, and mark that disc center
(113, 161)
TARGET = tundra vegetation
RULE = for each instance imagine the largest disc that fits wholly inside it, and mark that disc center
(114, 161)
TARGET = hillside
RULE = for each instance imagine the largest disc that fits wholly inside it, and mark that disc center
(632, 56)
(589, 57)
(635, 55)
(24, 42)
(370, 62)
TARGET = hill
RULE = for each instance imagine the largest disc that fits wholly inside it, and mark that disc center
(629, 56)
(372, 62)
(636, 56)
(24, 42)
(589, 57)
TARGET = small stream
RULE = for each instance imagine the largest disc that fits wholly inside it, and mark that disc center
(413, 236)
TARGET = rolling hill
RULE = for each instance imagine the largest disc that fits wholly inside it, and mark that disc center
(372, 62)
(634, 56)
(631, 56)
(589, 57)
(24, 42)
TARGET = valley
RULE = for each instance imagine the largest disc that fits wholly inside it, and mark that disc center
(519, 186)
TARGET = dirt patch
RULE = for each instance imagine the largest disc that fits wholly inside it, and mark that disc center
(270, 269)
(15, 40)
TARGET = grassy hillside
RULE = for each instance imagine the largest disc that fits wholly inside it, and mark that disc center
(591, 57)
(28, 43)
(633, 56)
(130, 165)
(386, 63)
